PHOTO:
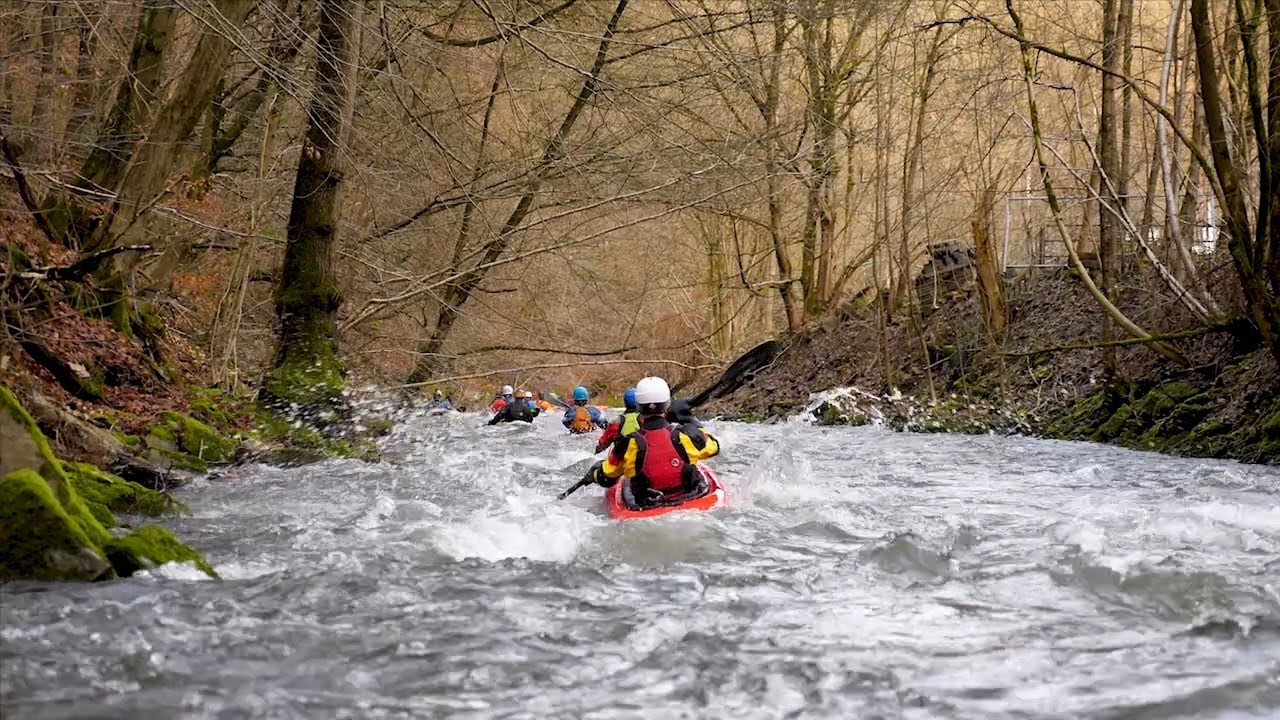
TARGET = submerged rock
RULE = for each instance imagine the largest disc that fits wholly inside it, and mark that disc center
(151, 546)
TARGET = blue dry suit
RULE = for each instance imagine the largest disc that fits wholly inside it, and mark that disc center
(596, 417)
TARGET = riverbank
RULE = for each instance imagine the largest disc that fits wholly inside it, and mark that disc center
(1044, 377)
(102, 418)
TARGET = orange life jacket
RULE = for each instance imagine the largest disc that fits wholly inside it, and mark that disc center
(581, 422)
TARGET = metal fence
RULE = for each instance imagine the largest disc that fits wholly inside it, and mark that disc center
(1031, 238)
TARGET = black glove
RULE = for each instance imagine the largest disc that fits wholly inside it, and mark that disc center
(596, 473)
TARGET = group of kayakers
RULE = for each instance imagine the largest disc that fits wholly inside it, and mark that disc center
(654, 442)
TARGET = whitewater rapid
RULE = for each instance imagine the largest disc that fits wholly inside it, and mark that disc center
(856, 573)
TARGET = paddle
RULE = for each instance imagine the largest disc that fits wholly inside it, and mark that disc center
(556, 399)
(734, 375)
(576, 486)
(586, 480)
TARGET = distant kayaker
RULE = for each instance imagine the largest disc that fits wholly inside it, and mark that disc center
(626, 424)
(440, 403)
(505, 396)
(533, 406)
(514, 409)
(582, 418)
(659, 458)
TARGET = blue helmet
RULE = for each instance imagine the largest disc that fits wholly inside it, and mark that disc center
(629, 398)
(580, 394)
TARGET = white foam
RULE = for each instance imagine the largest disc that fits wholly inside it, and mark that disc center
(523, 529)
(175, 571)
(1261, 519)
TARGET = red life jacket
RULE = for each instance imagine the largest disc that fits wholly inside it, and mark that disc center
(661, 458)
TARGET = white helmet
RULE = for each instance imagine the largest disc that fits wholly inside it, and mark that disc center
(652, 390)
(506, 390)
(528, 393)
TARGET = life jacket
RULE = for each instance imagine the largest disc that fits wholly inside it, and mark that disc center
(519, 410)
(630, 423)
(581, 422)
(661, 460)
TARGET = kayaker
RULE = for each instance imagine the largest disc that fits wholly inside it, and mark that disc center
(582, 418)
(659, 458)
(515, 409)
(505, 396)
(626, 424)
(440, 403)
(533, 406)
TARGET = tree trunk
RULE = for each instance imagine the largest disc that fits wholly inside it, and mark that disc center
(286, 40)
(84, 104)
(772, 172)
(995, 312)
(41, 128)
(1109, 179)
(1249, 252)
(460, 289)
(1055, 208)
(308, 374)
(157, 158)
(102, 170)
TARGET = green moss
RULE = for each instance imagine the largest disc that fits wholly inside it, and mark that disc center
(38, 538)
(26, 447)
(377, 425)
(151, 546)
(209, 412)
(133, 442)
(198, 439)
(1271, 424)
(1114, 426)
(1179, 390)
(104, 493)
(1081, 421)
(312, 386)
(186, 443)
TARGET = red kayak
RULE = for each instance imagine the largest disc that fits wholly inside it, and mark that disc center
(710, 495)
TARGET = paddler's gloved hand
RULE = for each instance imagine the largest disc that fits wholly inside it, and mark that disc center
(596, 474)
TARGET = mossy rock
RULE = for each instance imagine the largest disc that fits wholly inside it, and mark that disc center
(311, 388)
(53, 514)
(183, 442)
(105, 494)
(209, 412)
(1083, 419)
(1270, 425)
(162, 450)
(1187, 414)
(39, 540)
(377, 425)
(46, 530)
(133, 442)
(1116, 425)
(26, 447)
(151, 546)
(198, 439)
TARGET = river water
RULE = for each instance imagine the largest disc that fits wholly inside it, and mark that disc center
(857, 573)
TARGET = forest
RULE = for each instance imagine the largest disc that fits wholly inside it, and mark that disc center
(239, 213)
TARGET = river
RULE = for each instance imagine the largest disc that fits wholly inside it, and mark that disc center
(857, 573)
